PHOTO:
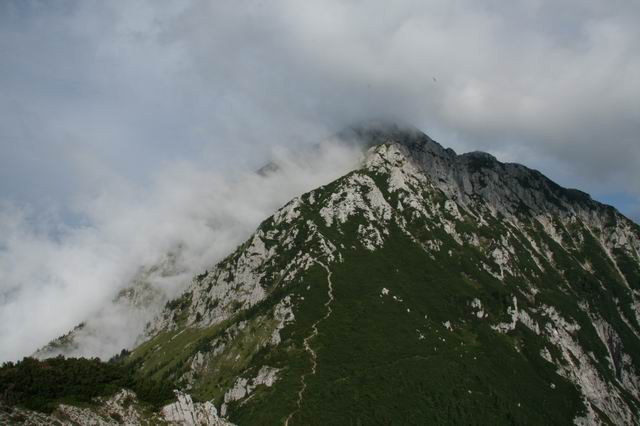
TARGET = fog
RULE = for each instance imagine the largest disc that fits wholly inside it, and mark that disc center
(53, 282)
(129, 131)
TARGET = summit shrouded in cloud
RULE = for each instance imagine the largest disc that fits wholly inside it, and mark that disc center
(129, 128)
(421, 286)
(320, 212)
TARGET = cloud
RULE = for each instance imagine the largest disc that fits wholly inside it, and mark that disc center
(50, 282)
(559, 81)
(124, 125)
(100, 89)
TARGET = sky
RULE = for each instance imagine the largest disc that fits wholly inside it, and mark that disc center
(125, 127)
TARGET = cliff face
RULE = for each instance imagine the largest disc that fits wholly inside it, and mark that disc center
(423, 287)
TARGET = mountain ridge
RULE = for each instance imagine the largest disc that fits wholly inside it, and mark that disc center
(373, 238)
(434, 262)
(376, 132)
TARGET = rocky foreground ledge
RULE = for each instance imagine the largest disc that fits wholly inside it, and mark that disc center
(121, 408)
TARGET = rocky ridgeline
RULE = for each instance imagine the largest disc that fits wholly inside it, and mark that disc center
(567, 270)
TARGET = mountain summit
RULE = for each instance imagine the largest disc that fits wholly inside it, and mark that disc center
(424, 287)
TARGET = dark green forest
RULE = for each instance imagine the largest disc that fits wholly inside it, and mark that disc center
(42, 385)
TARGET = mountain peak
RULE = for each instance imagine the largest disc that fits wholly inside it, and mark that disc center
(432, 273)
(481, 155)
(377, 132)
(415, 259)
(465, 177)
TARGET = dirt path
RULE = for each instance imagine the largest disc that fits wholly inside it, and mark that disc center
(307, 347)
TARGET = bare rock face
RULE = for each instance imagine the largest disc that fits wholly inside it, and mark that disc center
(121, 408)
(188, 413)
(243, 388)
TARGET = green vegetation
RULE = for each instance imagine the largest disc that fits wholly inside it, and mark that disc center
(166, 357)
(374, 368)
(42, 385)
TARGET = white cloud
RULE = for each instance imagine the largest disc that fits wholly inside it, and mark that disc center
(561, 79)
(130, 85)
(51, 281)
(100, 96)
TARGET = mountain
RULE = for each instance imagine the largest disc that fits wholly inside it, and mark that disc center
(219, 215)
(424, 287)
(135, 305)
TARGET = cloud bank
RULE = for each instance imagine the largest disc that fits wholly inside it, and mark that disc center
(125, 126)
(92, 90)
(186, 221)
(556, 84)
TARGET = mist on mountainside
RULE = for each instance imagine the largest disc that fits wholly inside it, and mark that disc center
(160, 238)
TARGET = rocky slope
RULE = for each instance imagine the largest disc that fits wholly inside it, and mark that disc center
(423, 287)
(121, 408)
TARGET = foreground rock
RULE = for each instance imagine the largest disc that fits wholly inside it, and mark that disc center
(123, 408)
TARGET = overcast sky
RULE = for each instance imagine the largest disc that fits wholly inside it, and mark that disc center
(107, 97)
